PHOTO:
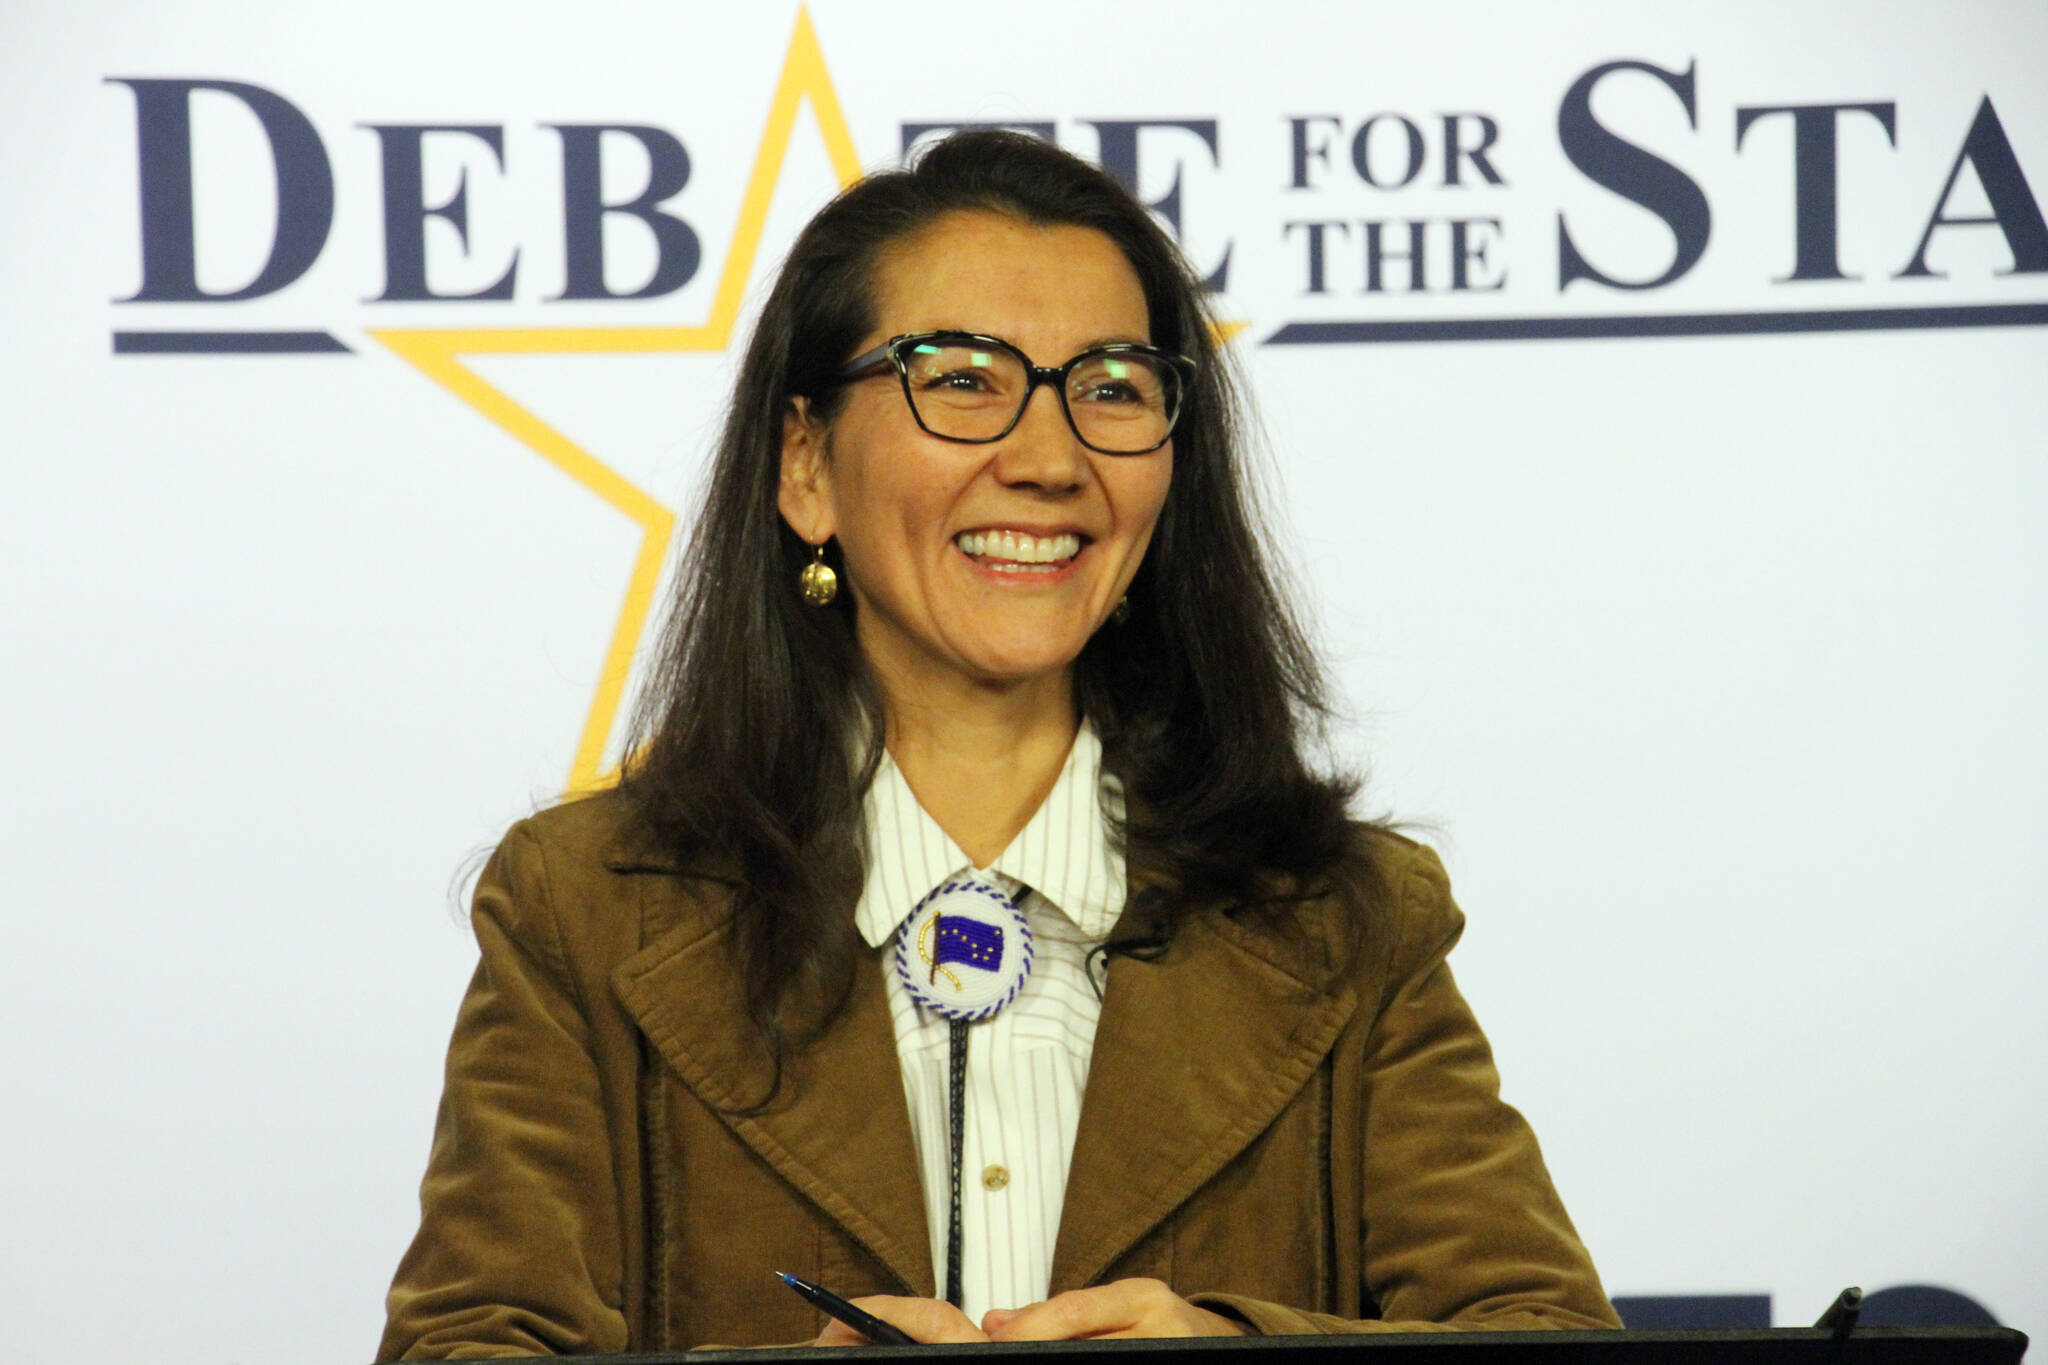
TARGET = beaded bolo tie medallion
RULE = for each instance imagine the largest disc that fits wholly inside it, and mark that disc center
(965, 950)
(963, 953)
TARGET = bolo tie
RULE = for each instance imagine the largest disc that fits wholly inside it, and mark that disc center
(963, 954)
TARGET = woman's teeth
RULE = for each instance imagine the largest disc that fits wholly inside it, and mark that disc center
(1011, 549)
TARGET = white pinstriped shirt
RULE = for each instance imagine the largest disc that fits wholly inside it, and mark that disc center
(1027, 1066)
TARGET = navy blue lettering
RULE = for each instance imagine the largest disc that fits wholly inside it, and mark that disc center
(1456, 151)
(1468, 251)
(1376, 257)
(406, 211)
(1639, 176)
(1302, 149)
(1119, 144)
(1313, 232)
(305, 189)
(677, 251)
(1815, 216)
(2013, 209)
(1361, 152)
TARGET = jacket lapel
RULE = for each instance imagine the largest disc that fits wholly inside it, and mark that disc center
(838, 1130)
(1195, 1055)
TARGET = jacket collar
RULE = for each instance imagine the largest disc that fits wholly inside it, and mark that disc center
(838, 1129)
(1195, 1055)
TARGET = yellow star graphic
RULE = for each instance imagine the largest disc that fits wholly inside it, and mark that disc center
(439, 354)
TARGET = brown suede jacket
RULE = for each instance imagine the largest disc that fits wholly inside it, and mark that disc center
(1301, 1154)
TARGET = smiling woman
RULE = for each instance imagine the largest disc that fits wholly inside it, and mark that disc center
(976, 940)
(957, 548)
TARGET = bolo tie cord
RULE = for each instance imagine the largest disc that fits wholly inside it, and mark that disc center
(956, 1123)
(956, 1134)
(1096, 968)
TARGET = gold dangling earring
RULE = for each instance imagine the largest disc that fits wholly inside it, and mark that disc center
(818, 584)
(1121, 612)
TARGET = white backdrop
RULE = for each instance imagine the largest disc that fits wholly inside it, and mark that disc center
(1711, 663)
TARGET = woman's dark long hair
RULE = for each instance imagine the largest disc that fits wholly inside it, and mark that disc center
(762, 727)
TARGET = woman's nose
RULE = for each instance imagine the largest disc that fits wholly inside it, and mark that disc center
(1042, 449)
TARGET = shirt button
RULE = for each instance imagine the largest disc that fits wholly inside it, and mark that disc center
(995, 1177)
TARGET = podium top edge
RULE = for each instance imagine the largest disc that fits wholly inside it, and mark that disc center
(1680, 1346)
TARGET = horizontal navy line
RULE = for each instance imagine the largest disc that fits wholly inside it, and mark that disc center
(228, 343)
(1662, 325)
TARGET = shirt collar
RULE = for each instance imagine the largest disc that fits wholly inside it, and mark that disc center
(1066, 852)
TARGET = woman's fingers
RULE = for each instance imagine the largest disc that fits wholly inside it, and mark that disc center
(1127, 1308)
(928, 1320)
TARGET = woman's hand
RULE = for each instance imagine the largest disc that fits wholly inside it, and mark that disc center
(1127, 1308)
(927, 1320)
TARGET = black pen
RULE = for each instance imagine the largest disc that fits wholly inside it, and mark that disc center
(867, 1324)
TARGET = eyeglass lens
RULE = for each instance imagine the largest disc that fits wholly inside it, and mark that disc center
(1117, 401)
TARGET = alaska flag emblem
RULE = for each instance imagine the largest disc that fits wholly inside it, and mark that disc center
(972, 941)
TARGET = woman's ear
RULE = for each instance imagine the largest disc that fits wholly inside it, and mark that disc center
(805, 493)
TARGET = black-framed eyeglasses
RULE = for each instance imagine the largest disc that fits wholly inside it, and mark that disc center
(1120, 399)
